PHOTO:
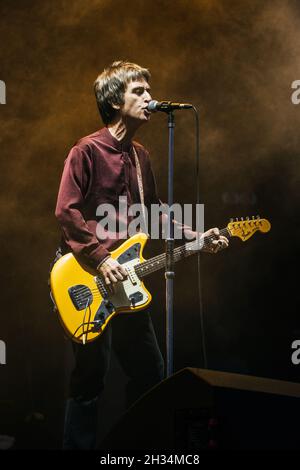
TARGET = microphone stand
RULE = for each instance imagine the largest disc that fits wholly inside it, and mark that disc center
(169, 268)
(168, 107)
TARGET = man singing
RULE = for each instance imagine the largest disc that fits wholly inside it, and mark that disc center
(99, 169)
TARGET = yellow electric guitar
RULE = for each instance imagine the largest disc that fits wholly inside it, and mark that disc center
(80, 295)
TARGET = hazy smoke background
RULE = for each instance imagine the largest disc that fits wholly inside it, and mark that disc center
(235, 61)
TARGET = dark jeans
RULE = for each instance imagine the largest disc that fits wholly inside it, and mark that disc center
(133, 339)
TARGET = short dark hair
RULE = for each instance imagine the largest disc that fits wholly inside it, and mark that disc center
(111, 84)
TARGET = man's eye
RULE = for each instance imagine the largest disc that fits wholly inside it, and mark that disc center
(140, 91)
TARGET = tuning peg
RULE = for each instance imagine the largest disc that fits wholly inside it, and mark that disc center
(237, 219)
(231, 219)
(253, 217)
(247, 218)
(242, 218)
(257, 217)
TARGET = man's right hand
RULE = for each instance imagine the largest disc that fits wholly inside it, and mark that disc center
(112, 272)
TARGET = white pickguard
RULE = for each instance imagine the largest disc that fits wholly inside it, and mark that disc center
(130, 286)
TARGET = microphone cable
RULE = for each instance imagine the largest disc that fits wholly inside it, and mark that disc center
(201, 314)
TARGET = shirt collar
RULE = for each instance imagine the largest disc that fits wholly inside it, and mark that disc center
(117, 144)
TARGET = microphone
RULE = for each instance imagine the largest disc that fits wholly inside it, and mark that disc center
(166, 106)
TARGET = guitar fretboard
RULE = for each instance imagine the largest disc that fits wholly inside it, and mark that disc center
(191, 248)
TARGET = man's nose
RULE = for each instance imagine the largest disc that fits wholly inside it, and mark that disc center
(147, 96)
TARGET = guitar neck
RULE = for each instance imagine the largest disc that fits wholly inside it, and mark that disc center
(191, 248)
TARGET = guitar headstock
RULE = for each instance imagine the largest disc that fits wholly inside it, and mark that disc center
(244, 229)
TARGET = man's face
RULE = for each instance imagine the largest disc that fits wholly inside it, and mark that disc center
(136, 99)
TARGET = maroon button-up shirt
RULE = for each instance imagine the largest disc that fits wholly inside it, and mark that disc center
(98, 170)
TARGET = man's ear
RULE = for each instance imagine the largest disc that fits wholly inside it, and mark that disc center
(115, 106)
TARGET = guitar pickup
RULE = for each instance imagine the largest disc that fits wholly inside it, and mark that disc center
(132, 276)
(81, 296)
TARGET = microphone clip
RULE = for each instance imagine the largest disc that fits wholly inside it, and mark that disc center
(167, 106)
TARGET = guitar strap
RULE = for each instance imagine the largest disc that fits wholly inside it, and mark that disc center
(140, 185)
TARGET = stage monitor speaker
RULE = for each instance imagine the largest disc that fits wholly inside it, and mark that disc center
(198, 409)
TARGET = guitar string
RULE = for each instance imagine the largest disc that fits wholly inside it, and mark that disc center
(186, 249)
(148, 264)
(177, 254)
(151, 265)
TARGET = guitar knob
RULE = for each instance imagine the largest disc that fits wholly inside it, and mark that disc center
(242, 218)
(247, 218)
(231, 219)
